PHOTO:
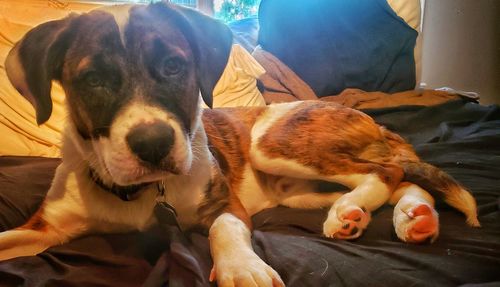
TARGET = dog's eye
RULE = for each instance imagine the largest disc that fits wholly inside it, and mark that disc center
(93, 80)
(171, 66)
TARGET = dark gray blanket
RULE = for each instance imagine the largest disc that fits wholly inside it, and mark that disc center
(461, 137)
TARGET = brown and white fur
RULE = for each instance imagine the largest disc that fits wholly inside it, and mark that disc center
(132, 77)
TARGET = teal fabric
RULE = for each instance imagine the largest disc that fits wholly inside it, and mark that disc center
(338, 44)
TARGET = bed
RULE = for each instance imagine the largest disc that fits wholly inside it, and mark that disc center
(456, 134)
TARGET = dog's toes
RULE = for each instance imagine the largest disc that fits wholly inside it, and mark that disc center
(349, 223)
(245, 272)
(417, 223)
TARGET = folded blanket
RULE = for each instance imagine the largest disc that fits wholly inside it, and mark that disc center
(359, 99)
(237, 85)
(281, 84)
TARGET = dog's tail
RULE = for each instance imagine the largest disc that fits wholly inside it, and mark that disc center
(441, 184)
(434, 180)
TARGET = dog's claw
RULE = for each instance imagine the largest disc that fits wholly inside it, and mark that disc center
(212, 276)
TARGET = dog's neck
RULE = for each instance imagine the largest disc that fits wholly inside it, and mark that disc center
(125, 193)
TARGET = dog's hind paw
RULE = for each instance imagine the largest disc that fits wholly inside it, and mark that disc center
(346, 222)
(416, 223)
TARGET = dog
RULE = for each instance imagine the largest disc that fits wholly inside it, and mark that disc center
(133, 76)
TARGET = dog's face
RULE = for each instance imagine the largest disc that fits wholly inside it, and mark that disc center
(132, 77)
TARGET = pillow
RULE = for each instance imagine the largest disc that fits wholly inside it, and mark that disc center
(245, 32)
(335, 44)
(411, 12)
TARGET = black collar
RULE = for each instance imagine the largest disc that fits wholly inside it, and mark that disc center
(125, 193)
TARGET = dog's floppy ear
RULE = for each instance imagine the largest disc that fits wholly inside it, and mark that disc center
(211, 41)
(37, 59)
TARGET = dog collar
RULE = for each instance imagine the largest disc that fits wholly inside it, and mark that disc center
(125, 193)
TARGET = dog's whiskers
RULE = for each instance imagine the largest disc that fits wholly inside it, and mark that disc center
(197, 151)
(213, 136)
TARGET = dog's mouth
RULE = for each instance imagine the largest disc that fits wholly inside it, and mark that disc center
(125, 175)
(126, 169)
(167, 166)
(145, 144)
(154, 175)
(143, 174)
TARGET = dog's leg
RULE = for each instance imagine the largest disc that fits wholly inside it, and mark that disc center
(372, 185)
(415, 219)
(311, 200)
(62, 216)
(299, 193)
(235, 262)
(54, 223)
(73, 207)
(36, 236)
(350, 214)
(318, 141)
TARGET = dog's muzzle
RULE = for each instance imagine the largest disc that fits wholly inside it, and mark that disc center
(151, 142)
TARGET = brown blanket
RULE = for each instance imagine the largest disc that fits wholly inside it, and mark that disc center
(281, 84)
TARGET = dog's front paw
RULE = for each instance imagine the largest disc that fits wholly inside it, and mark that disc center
(248, 270)
(346, 222)
(416, 222)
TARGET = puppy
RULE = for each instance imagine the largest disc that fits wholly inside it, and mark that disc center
(132, 76)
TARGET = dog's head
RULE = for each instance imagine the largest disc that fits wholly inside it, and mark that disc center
(132, 77)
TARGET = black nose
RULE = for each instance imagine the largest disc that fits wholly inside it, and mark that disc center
(151, 142)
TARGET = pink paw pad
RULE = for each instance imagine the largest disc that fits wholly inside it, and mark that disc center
(424, 224)
(354, 221)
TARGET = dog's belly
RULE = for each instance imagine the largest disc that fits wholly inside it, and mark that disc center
(259, 191)
(254, 193)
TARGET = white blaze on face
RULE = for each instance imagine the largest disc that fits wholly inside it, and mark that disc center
(122, 164)
(121, 14)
